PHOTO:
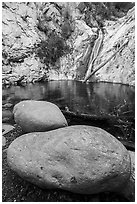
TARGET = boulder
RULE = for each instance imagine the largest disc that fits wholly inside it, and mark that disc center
(34, 116)
(81, 159)
(129, 189)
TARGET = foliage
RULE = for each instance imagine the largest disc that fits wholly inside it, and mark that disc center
(66, 30)
(55, 46)
(51, 50)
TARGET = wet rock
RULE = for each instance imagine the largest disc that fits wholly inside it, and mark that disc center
(81, 159)
(33, 116)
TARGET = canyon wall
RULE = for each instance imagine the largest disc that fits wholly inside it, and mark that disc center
(25, 25)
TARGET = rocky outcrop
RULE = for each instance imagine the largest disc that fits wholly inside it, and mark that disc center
(121, 68)
(33, 116)
(26, 24)
(81, 159)
(20, 35)
(80, 38)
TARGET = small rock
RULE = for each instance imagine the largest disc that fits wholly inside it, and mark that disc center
(81, 159)
(34, 116)
(7, 105)
(7, 115)
(3, 141)
(6, 128)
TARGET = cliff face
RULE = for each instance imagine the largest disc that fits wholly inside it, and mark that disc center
(121, 68)
(25, 25)
(19, 38)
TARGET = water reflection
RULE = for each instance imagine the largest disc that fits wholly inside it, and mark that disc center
(92, 98)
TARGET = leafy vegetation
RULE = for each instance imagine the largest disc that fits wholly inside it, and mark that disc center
(51, 50)
(66, 30)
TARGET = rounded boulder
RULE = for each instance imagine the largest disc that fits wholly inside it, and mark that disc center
(38, 116)
(80, 159)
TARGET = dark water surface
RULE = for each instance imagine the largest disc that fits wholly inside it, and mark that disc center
(92, 98)
(100, 99)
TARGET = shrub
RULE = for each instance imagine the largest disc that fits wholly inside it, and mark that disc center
(66, 30)
(51, 50)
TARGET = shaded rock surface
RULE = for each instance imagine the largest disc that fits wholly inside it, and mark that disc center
(7, 116)
(129, 189)
(33, 116)
(81, 159)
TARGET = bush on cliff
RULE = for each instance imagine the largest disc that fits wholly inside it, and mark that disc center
(51, 50)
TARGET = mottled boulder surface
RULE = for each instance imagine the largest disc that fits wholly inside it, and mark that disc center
(35, 116)
(81, 159)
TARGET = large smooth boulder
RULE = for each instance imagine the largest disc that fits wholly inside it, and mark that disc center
(34, 116)
(81, 159)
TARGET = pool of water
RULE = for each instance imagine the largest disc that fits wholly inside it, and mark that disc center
(98, 99)
(92, 98)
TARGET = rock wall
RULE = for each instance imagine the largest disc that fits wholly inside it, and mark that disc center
(121, 68)
(20, 35)
(72, 65)
(26, 24)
